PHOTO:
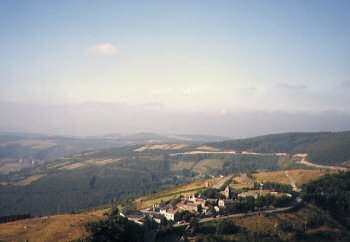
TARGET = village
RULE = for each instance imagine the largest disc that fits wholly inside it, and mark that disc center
(214, 203)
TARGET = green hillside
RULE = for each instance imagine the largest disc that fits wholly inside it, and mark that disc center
(322, 147)
(95, 178)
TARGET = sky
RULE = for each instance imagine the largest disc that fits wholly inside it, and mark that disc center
(211, 59)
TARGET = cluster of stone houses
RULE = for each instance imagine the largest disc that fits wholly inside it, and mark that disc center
(134, 215)
(198, 205)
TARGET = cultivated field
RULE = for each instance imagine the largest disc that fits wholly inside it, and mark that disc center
(162, 147)
(207, 148)
(299, 176)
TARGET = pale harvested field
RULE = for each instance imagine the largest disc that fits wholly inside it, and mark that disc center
(162, 147)
(207, 148)
(304, 176)
(102, 162)
(299, 176)
(81, 164)
(29, 180)
(73, 166)
(58, 228)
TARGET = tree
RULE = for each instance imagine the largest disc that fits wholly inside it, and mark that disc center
(226, 227)
(194, 225)
(115, 228)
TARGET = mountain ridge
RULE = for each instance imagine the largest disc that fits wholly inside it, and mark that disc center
(322, 147)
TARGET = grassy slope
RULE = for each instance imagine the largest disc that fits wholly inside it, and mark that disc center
(64, 227)
(299, 176)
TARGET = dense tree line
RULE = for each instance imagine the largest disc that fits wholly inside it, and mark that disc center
(116, 228)
(73, 190)
(250, 163)
(331, 193)
(10, 218)
(277, 187)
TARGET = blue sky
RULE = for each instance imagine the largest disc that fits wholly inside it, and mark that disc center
(187, 55)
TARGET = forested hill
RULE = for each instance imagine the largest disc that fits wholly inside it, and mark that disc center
(322, 147)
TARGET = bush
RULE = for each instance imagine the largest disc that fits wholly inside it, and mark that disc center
(226, 227)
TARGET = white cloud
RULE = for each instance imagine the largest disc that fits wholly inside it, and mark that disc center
(104, 49)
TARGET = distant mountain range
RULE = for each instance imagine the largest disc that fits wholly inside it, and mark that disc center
(322, 147)
(47, 147)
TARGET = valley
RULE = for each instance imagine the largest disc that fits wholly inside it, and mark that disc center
(138, 177)
(72, 226)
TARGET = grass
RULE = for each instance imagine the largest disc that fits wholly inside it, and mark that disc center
(238, 184)
(58, 228)
(274, 176)
(305, 176)
(299, 176)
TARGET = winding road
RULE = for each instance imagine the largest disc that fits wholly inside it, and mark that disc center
(308, 163)
(292, 182)
(220, 183)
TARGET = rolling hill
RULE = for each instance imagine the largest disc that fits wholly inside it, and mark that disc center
(18, 151)
(322, 147)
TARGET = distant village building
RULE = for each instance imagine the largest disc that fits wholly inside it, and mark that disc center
(226, 203)
(199, 201)
(134, 215)
(170, 214)
(187, 205)
(228, 192)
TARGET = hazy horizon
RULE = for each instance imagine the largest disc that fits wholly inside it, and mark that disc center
(88, 119)
(228, 68)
